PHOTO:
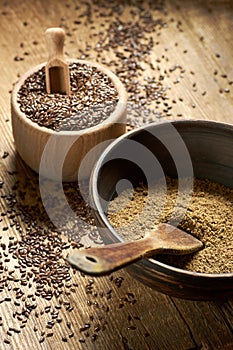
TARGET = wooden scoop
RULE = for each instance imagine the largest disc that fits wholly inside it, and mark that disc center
(164, 239)
(57, 70)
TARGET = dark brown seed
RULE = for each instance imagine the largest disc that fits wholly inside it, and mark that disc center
(146, 334)
(17, 58)
(94, 337)
(68, 324)
(58, 307)
(41, 340)
(16, 330)
(49, 334)
(5, 155)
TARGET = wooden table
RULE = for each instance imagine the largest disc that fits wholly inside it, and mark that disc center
(191, 55)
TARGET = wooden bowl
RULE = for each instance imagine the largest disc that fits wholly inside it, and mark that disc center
(209, 145)
(59, 155)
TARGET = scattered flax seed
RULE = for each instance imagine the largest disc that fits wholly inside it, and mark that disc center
(42, 339)
(94, 337)
(18, 58)
(8, 299)
(16, 330)
(5, 155)
(64, 339)
(209, 217)
(146, 334)
(68, 324)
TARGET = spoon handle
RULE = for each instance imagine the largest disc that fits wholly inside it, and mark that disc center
(55, 38)
(111, 257)
(56, 70)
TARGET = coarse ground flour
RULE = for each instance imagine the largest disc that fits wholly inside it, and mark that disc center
(209, 217)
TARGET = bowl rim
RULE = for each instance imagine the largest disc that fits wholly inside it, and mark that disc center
(115, 117)
(212, 124)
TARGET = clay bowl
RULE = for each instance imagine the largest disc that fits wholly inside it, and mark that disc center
(58, 155)
(208, 146)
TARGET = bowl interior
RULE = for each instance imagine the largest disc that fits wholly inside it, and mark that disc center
(202, 149)
(190, 148)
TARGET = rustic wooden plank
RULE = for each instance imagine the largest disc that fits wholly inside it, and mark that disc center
(198, 315)
(192, 40)
(128, 313)
(199, 42)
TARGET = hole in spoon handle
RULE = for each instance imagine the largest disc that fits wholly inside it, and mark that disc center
(106, 259)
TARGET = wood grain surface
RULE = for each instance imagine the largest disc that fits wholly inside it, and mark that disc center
(190, 59)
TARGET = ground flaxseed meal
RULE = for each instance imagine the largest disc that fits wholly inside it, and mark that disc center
(209, 217)
(92, 100)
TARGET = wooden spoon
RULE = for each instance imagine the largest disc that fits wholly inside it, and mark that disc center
(164, 239)
(56, 70)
